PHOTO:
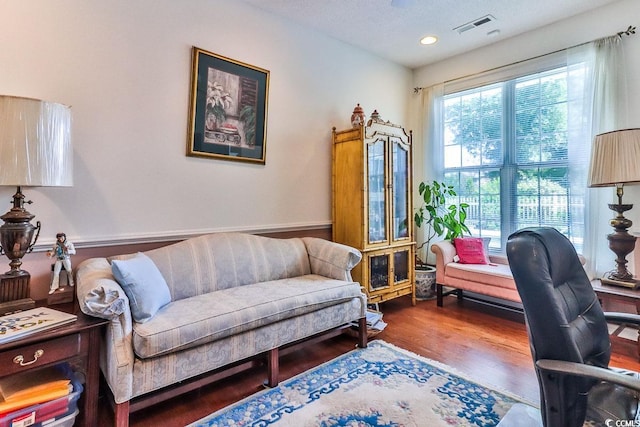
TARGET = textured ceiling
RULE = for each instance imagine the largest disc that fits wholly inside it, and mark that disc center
(392, 28)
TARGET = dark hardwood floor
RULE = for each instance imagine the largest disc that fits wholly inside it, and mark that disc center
(487, 343)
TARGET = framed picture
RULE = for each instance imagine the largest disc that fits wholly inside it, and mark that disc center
(228, 115)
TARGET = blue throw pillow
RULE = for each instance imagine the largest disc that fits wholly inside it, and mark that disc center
(144, 285)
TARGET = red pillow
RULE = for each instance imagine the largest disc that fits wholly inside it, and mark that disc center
(470, 250)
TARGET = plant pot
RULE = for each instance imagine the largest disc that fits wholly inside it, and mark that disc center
(425, 283)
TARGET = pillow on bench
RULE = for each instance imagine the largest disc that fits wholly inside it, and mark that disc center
(471, 250)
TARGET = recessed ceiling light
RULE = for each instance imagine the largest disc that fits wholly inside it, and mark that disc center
(429, 40)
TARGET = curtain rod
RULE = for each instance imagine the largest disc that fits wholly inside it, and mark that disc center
(628, 32)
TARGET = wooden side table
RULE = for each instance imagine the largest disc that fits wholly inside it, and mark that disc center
(623, 300)
(77, 343)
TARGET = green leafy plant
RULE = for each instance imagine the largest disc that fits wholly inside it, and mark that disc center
(248, 118)
(439, 217)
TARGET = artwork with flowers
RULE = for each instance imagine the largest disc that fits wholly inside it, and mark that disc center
(228, 109)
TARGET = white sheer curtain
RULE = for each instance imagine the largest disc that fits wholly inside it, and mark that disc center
(432, 109)
(432, 159)
(608, 112)
(594, 87)
(580, 91)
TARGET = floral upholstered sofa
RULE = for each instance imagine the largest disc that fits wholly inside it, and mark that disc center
(183, 312)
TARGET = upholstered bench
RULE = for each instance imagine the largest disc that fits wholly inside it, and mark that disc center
(493, 279)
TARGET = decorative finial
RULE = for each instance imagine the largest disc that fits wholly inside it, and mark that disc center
(357, 118)
(631, 30)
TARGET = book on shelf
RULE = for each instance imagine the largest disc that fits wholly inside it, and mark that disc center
(23, 323)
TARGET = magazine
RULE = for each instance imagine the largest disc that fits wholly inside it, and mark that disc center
(23, 323)
(374, 321)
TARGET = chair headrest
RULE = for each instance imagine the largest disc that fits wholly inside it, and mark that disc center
(548, 248)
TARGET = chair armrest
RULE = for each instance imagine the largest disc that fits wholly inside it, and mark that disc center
(330, 259)
(588, 371)
(628, 318)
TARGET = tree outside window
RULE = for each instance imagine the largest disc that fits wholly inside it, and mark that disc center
(506, 153)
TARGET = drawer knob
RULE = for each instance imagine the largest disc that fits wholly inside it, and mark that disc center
(19, 359)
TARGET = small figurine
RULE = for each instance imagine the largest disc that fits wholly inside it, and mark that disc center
(61, 251)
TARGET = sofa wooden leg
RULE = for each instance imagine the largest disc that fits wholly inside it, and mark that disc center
(121, 414)
(362, 332)
(439, 294)
(273, 367)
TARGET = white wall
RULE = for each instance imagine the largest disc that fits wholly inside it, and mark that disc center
(594, 24)
(125, 67)
(582, 28)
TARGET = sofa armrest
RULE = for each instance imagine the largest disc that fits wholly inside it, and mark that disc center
(331, 259)
(445, 254)
(499, 259)
(99, 295)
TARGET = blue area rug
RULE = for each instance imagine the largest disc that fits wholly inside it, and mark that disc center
(382, 385)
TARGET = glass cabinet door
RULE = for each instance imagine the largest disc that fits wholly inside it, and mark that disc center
(400, 266)
(400, 175)
(379, 271)
(376, 192)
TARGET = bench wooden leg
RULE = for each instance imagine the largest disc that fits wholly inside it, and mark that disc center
(439, 294)
(273, 367)
(362, 332)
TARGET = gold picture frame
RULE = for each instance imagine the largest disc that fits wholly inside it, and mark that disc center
(228, 114)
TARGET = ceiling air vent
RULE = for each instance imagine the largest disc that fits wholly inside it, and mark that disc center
(474, 24)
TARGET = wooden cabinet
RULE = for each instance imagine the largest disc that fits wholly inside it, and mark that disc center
(77, 343)
(372, 208)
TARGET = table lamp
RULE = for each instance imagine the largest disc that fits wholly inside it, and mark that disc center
(35, 150)
(615, 158)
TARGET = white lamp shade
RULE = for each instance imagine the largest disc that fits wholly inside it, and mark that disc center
(615, 158)
(35, 143)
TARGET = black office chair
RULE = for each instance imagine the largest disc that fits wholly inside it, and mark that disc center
(568, 334)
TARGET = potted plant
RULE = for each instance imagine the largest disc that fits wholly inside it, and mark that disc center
(440, 218)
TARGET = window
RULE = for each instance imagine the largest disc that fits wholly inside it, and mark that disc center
(507, 152)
